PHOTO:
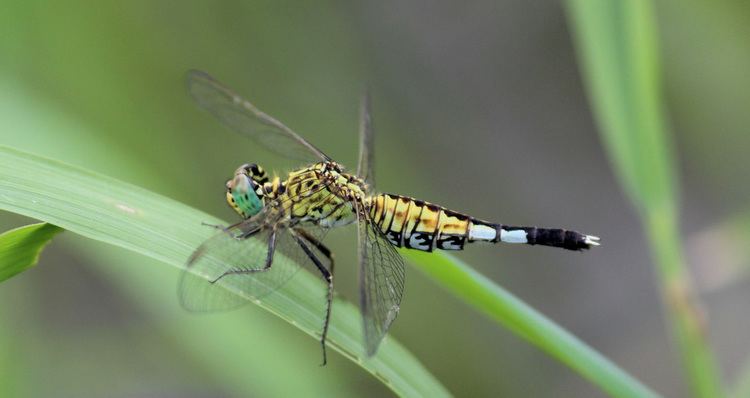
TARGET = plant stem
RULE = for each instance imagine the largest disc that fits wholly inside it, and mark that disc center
(687, 317)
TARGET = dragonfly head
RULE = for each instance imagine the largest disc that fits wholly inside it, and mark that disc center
(245, 190)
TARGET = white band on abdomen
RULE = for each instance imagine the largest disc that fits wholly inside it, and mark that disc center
(517, 236)
(482, 232)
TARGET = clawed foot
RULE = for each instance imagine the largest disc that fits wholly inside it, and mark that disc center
(223, 229)
(205, 224)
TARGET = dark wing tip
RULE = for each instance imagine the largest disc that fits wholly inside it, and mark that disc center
(372, 343)
(193, 78)
(203, 87)
(194, 74)
(194, 256)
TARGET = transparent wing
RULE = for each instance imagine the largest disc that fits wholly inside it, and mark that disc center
(243, 117)
(365, 168)
(381, 279)
(245, 259)
(230, 251)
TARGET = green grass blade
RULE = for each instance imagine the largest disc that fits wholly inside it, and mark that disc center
(20, 248)
(617, 48)
(127, 216)
(504, 308)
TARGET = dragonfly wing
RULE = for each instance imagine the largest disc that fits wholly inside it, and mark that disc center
(243, 117)
(244, 248)
(235, 259)
(365, 168)
(381, 279)
(289, 247)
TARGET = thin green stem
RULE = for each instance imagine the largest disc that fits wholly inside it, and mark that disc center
(688, 320)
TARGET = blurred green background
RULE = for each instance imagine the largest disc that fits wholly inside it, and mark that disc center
(478, 106)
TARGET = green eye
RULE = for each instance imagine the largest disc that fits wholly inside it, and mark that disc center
(248, 203)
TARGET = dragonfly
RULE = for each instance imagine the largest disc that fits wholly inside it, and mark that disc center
(291, 215)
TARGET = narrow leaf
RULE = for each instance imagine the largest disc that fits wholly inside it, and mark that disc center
(127, 216)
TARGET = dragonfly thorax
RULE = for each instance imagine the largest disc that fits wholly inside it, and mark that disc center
(346, 186)
(321, 194)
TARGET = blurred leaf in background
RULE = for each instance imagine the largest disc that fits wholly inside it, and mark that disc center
(619, 56)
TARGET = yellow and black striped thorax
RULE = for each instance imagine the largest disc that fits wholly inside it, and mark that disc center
(321, 194)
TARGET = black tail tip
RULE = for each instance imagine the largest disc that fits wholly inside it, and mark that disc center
(566, 239)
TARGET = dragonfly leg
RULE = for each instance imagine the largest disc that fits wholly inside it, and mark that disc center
(327, 275)
(214, 226)
(266, 266)
(318, 245)
(228, 230)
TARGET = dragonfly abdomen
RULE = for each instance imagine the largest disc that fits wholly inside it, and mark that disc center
(415, 224)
